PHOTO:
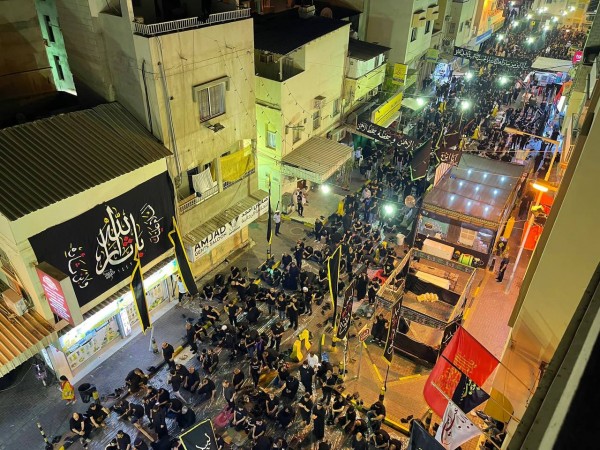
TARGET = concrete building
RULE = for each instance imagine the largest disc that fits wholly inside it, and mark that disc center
(55, 45)
(300, 66)
(489, 17)
(569, 13)
(68, 234)
(24, 68)
(406, 27)
(190, 81)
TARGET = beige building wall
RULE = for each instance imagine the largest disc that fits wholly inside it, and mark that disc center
(462, 22)
(14, 235)
(291, 103)
(390, 24)
(24, 67)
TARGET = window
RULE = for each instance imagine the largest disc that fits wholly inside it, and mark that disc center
(336, 107)
(316, 120)
(59, 69)
(452, 27)
(462, 24)
(413, 35)
(49, 29)
(211, 98)
(428, 26)
(271, 139)
(297, 132)
(266, 58)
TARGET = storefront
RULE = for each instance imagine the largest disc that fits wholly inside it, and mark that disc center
(111, 322)
(211, 242)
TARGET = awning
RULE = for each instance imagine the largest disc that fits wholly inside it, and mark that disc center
(21, 338)
(217, 230)
(544, 64)
(411, 103)
(316, 160)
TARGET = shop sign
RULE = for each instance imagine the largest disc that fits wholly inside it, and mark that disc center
(97, 248)
(433, 54)
(385, 135)
(384, 113)
(577, 57)
(58, 296)
(229, 229)
(399, 75)
(482, 37)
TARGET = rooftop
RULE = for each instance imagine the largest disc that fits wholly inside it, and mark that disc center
(365, 51)
(46, 161)
(478, 187)
(284, 32)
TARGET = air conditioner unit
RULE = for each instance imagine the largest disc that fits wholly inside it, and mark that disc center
(338, 135)
(138, 19)
(15, 302)
(447, 18)
(319, 102)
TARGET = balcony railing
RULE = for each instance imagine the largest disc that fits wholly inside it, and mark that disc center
(191, 202)
(227, 184)
(187, 24)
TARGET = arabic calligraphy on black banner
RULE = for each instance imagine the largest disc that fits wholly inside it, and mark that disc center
(483, 58)
(97, 248)
(385, 135)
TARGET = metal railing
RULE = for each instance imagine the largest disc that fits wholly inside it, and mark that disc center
(195, 201)
(227, 184)
(186, 24)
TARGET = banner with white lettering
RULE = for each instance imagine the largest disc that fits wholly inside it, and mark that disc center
(229, 229)
(517, 64)
(401, 141)
(97, 248)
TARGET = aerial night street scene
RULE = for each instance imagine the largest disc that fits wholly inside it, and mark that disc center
(299, 224)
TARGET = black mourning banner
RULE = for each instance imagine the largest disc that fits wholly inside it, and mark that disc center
(449, 151)
(185, 270)
(419, 163)
(388, 351)
(139, 296)
(97, 248)
(420, 439)
(517, 64)
(345, 315)
(385, 135)
(201, 437)
(333, 274)
(467, 395)
(449, 331)
(269, 221)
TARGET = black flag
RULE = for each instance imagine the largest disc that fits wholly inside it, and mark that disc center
(333, 274)
(345, 315)
(139, 295)
(185, 270)
(202, 436)
(388, 351)
(269, 222)
(420, 439)
(419, 162)
(467, 395)
(449, 151)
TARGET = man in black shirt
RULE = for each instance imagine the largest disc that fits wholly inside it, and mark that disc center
(168, 351)
(206, 390)
(112, 445)
(376, 414)
(123, 440)
(277, 330)
(291, 388)
(175, 407)
(97, 414)
(139, 444)
(81, 426)
(307, 374)
(192, 380)
(262, 443)
(238, 379)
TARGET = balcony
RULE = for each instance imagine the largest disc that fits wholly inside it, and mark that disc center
(227, 184)
(194, 200)
(172, 26)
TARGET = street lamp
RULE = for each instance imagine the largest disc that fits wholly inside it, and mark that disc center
(530, 40)
(389, 209)
(326, 189)
(420, 101)
(500, 37)
(503, 80)
(465, 104)
(469, 76)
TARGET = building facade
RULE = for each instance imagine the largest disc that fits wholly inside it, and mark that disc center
(191, 82)
(300, 66)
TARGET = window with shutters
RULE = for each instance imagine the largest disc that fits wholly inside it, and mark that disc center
(316, 120)
(211, 98)
(271, 139)
(336, 107)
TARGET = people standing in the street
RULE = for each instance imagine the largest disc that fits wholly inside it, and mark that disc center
(318, 417)
(503, 265)
(181, 288)
(277, 220)
(300, 203)
(67, 390)
(168, 353)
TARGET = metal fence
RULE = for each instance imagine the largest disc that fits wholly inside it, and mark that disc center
(192, 22)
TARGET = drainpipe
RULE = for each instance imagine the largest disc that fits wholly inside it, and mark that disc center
(171, 127)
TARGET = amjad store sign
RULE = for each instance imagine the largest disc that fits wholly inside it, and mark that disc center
(59, 292)
(97, 248)
(227, 230)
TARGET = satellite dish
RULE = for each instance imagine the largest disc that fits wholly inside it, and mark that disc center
(410, 201)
